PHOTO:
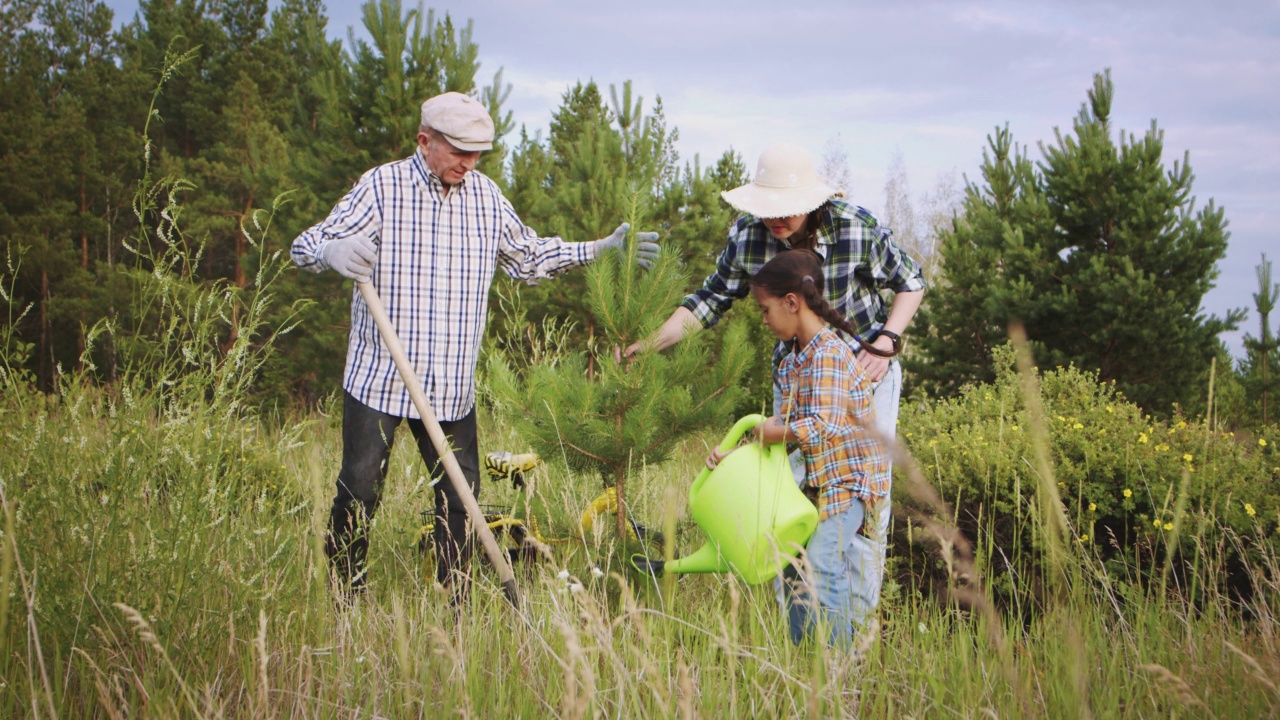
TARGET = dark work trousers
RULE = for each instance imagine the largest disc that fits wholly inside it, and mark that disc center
(367, 437)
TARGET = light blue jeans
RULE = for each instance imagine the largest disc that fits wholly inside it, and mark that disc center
(870, 576)
(839, 585)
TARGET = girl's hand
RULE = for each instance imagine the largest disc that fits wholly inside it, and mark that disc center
(771, 431)
(716, 456)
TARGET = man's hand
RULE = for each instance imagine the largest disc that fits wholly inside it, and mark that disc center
(647, 251)
(351, 257)
(875, 367)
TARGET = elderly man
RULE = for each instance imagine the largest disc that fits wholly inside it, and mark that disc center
(428, 232)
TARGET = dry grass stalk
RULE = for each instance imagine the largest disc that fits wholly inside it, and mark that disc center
(576, 700)
(1254, 667)
(263, 708)
(1175, 686)
(965, 581)
(148, 636)
(27, 584)
(685, 695)
(100, 686)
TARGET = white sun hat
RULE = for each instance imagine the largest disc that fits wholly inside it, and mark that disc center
(786, 184)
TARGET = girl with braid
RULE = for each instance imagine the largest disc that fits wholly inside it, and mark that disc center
(826, 409)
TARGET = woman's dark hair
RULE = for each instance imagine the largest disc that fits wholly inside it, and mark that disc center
(807, 238)
(800, 272)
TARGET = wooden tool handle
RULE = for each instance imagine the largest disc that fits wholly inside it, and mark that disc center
(451, 467)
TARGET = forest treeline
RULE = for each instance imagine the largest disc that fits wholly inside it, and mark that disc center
(1098, 247)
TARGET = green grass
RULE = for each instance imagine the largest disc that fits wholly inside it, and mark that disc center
(161, 564)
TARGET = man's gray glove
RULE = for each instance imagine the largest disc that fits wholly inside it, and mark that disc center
(351, 257)
(647, 251)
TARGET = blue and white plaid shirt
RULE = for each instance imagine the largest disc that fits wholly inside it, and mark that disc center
(859, 259)
(437, 252)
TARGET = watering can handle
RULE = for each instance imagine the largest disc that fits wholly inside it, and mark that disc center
(740, 428)
(730, 440)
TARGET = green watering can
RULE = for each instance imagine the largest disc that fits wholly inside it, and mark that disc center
(754, 515)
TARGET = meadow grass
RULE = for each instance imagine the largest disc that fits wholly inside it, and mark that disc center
(162, 556)
(161, 563)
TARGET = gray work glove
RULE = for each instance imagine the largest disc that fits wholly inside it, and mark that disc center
(647, 251)
(351, 257)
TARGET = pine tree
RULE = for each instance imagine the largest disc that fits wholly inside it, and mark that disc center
(1097, 249)
(62, 136)
(577, 183)
(1261, 367)
(609, 418)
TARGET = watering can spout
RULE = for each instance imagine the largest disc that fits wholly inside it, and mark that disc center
(706, 559)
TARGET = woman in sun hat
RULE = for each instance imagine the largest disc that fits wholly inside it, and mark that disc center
(787, 206)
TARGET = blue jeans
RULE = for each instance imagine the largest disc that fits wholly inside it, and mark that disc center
(885, 397)
(839, 585)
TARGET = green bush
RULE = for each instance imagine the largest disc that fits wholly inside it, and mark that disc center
(1119, 472)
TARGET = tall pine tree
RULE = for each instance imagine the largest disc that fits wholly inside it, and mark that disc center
(1098, 249)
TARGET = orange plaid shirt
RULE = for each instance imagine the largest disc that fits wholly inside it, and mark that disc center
(826, 401)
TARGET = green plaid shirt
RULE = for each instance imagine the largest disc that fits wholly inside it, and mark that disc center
(859, 255)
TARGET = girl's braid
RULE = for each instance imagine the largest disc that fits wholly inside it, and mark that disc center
(799, 271)
(816, 299)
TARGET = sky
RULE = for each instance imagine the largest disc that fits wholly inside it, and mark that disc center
(923, 81)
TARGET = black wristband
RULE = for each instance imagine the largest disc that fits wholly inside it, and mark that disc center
(894, 337)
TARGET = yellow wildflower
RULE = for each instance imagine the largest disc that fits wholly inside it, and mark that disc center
(1093, 507)
(1181, 424)
(1077, 426)
(1128, 492)
(1168, 526)
(1188, 457)
(1110, 409)
(1249, 510)
(1084, 538)
(1103, 431)
(1157, 523)
(1017, 429)
(1142, 438)
(1262, 442)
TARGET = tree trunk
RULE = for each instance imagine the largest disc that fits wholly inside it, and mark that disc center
(84, 265)
(44, 369)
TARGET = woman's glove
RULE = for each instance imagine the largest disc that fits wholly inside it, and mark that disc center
(647, 251)
(351, 257)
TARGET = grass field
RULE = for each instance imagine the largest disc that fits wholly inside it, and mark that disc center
(163, 559)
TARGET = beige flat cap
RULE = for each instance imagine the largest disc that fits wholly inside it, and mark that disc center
(463, 121)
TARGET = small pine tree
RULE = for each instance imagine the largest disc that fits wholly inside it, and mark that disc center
(1261, 368)
(609, 417)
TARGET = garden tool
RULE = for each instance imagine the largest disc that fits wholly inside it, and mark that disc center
(452, 469)
(753, 514)
(503, 465)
